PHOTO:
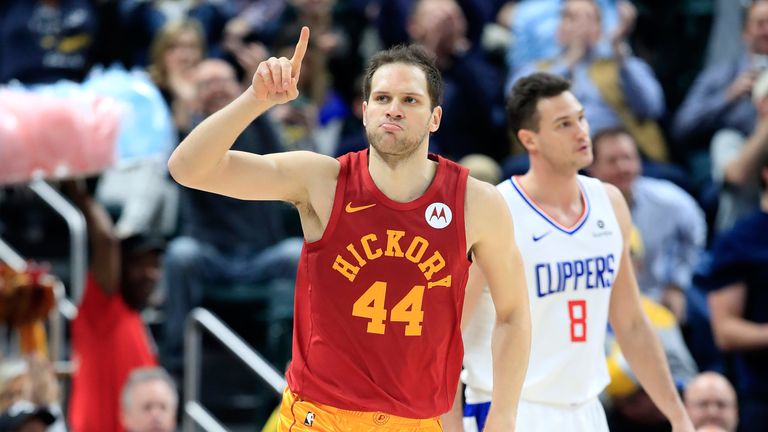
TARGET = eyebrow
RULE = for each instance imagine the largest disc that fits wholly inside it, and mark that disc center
(377, 92)
(564, 117)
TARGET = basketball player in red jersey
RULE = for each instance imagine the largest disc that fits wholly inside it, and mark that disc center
(389, 233)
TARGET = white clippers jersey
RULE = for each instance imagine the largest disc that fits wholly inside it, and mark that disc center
(569, 272)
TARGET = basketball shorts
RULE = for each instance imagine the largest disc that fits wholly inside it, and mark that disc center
(475, 415)
(298, 415)
(538, 417)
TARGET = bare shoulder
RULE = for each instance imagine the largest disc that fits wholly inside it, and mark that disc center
(620, 207)
(614, 194)
(485, 209)
(480, 192)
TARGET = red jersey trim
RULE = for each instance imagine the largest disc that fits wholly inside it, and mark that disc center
(461, 231)
(304, 262)
(461, 196)
(338, 204)
(333, 221)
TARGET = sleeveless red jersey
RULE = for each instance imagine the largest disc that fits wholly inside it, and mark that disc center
(379, 297)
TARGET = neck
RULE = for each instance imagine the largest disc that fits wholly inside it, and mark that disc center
(551, 186)
(764, 201)
(402, 178)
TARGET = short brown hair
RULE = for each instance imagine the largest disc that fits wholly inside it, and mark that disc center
(610, 132)
(525, 96)
(414, 55)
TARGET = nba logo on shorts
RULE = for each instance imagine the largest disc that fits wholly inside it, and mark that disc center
(438, 215)
(309, 419)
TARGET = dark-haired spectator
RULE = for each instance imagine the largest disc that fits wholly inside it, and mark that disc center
(669, 224)
(109, 339)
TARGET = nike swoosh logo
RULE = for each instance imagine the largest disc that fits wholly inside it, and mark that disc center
(537, 238)
(350, 209)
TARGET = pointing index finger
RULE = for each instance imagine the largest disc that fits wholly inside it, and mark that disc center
(301, 49)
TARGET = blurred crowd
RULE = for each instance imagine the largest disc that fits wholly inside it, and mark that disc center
(676, 94)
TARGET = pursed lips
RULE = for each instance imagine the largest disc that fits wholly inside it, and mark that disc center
(391, 127)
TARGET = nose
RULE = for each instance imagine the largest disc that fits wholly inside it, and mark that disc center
(394, 110)
(583, 130)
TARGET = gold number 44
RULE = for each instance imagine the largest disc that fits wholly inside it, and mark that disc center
(408, 310)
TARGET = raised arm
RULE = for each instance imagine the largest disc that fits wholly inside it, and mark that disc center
(493, 245)
(636, 338)
(204, 159)
(710, 96)
(745, 166)
(105, 245)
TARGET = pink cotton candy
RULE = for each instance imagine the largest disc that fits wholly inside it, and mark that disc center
(15, 161)
(53, 137)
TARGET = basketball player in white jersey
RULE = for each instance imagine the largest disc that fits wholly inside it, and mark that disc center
(572, 232)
